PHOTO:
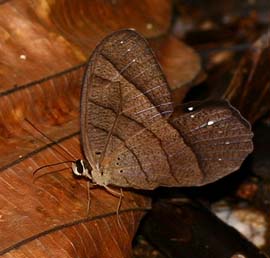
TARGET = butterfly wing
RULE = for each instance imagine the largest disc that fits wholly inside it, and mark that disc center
(218, 135)
(125, 104)
(125, 133)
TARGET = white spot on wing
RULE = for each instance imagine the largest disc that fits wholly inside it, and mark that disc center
(149, 26)
(210, 122)
(23, 57)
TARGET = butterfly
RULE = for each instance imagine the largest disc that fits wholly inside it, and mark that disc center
(134, 136)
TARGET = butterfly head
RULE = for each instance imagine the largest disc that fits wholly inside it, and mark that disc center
(81, 168)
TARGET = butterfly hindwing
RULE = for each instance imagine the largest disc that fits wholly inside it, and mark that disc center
(216, 132)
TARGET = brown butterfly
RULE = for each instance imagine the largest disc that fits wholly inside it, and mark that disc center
(132, 135)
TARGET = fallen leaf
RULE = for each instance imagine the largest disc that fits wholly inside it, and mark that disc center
(181, 64)
(39, 38)
(249, 90)
(184, 228)
(43, 57)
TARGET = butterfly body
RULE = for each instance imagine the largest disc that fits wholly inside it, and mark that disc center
(131, 134)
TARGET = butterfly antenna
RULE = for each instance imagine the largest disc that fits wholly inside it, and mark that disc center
(54, 164)
(57, 143)
(52, 141)
(51, 172)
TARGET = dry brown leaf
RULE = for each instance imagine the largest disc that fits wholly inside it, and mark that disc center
(42, 37)
(249, 89)
(181, 64)
(43, 55)
(49, 217)
(33, 215)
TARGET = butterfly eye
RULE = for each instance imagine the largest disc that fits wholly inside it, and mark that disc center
(78, 167)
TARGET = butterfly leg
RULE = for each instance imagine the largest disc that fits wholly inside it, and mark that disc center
(119, 202)
(89, 198)
(120, 195)
(113, 192)
(118, 209)
(89, 187)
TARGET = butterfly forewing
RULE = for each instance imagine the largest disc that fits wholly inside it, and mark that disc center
(133, 60)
